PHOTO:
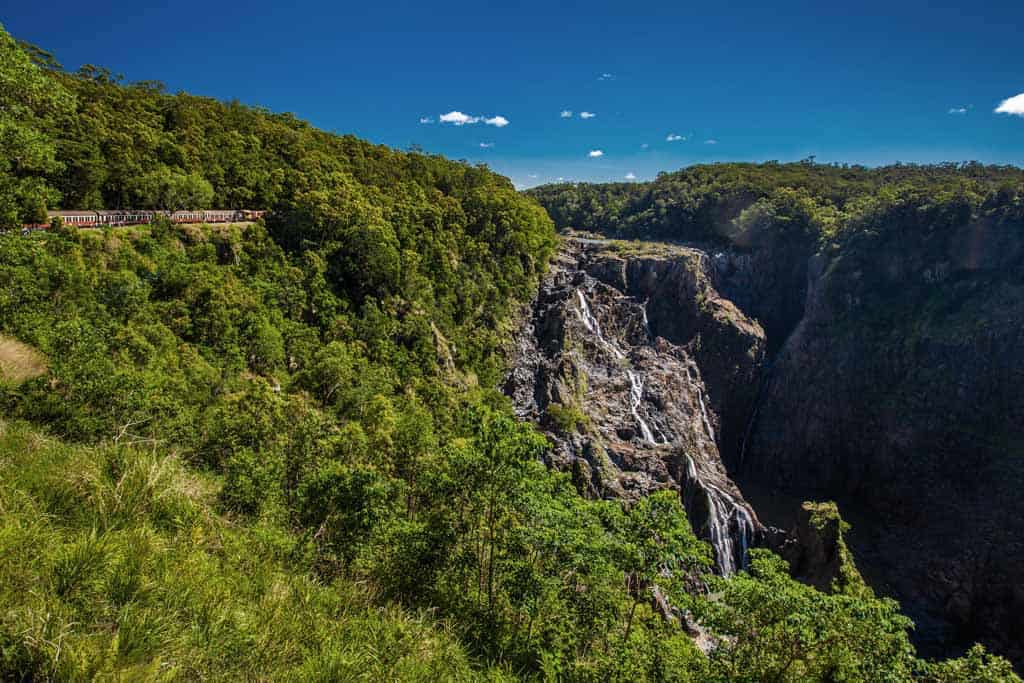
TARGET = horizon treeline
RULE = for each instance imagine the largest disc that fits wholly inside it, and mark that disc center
(735, 202)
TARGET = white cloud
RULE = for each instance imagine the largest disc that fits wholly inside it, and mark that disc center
(533, 175)
(672, 137)
(958, 110)
(631, 176)
(1013, 105)
(711, 142)
(606, 77)
(587, 114)
(594, 153)
(486, 145)
(566, 114)
(458, 118)
(426, 119)
(644, 146)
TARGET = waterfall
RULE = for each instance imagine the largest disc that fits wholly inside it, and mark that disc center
(724, 513)
(636, 382)
(593, 326)
(589, 321)
(704, 415)
(700, 400)
(636, 392)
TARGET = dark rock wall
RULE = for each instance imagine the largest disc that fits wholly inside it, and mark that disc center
(901, 394)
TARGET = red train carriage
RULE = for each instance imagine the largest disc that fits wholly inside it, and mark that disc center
(223, 216)
(79, 219)
(124, 217)
(187, 217)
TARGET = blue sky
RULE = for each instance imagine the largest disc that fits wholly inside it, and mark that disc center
(870, 82)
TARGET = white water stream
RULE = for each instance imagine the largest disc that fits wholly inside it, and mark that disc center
(636, 393)
(592, 325)
(723, 511)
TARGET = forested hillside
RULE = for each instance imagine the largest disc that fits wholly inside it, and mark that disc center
(721, 202)
(276, 451)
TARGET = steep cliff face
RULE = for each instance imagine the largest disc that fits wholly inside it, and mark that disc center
(897, 389)
(901, 394)
(629, 362)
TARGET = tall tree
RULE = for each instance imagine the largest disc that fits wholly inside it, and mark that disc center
(29, 101)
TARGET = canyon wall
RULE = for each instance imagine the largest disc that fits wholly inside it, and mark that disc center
(629, 362)
(894, 385)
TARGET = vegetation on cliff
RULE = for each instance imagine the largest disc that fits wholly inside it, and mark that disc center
(275, 452)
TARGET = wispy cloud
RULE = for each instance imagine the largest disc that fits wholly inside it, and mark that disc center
(644, 146)
(631, 176)
(606, 77)
(587, 114)
(486, 145)
(533, 175)
(959, 110)
(711, 141)
(566, 114)
(594, 153)
(1013, 105)
(457, 118)
(672, 137)
(426, 119)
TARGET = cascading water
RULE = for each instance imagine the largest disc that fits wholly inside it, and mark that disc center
(636, 382)
(636, 393)
(593, 326)
(704, 415)
(703, 407)
(724, 514)
(589, 321)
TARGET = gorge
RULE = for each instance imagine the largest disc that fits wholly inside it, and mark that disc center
(889, 380)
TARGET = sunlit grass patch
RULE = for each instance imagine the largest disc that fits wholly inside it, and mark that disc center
(19, 362)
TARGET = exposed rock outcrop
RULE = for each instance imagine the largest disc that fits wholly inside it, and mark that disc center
(632, 393)
(816, 549)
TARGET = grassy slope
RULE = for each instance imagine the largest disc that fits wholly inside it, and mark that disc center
(113, 563)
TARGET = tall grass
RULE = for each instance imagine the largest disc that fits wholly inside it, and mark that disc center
(113, 565)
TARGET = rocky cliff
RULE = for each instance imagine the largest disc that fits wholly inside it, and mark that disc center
(897, 389)
(632, 363)
(901, 394)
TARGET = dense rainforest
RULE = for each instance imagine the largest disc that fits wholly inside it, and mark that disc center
(277, 451)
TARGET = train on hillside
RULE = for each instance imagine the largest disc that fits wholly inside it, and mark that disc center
(102, 218)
